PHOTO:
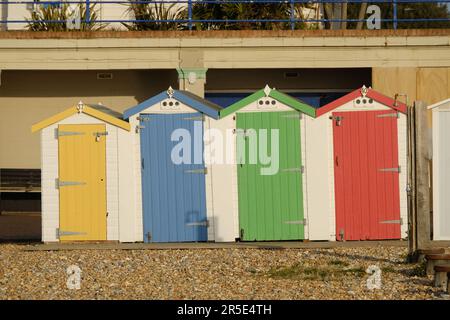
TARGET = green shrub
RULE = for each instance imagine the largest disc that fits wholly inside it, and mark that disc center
(40, 18)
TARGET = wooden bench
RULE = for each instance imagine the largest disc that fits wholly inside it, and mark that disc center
(423, 252)
(441, 277)
(20, 180)
(436, 260)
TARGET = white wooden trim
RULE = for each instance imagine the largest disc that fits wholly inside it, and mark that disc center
(440, 194)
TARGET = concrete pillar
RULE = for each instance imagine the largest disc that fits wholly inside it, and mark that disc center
(192, 80)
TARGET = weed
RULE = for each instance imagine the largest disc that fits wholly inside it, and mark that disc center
(339, 263)
(334, 271)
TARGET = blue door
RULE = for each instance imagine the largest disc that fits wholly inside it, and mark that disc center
(174, 204)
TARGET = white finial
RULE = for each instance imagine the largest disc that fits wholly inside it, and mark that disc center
(364, 91)
(267, 90)
(80, 106)
(170, 92)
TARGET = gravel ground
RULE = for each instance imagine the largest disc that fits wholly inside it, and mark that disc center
(212, 274)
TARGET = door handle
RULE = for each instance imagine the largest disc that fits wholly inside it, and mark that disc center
(336, 161)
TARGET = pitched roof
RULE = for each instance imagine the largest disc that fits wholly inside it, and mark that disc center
(369, 93)
(438, 104)
(95, 110)
(273, 93)
(188, 98)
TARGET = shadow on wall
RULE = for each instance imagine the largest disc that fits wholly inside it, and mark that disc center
(20, 226)
(293, 80)
(107, 85)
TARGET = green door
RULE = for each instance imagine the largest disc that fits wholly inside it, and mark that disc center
(270, 205)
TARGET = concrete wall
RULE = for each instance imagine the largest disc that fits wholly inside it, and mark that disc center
(27, 97)
(225, 49)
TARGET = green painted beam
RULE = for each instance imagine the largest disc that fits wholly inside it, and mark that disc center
(241, 103)
(293, 103)
(275, 94)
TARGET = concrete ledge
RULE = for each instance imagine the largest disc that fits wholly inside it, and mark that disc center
(234, 245)
(223, 34)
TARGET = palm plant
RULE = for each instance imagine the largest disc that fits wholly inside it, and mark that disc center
(54, 18)
(230, 12)
(258, 11)
(208, 11)
(301, 13)
(165, 14)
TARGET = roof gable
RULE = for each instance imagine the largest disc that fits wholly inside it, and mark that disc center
(288, 100)
(363, 92)
(186, 97)
(97, 111)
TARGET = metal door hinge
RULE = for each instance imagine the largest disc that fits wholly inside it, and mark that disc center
(338, 119)
(301, 169)
(143, 118)
(99, 134)
(60, 233)
(105, 133)
(199, 223)
(60, 183)
(204, 171)
(296, 116)
(244, 133)
(395, 169)
(60, 133)
(138, 128)
(389, 115)
(197, 118)
(342, 234)
(399, 221)
(302, 222)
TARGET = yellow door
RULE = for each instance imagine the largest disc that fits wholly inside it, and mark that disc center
(82, 182)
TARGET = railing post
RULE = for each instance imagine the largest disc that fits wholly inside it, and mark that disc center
(88, 12)
(394, 13)
(190, 14)
(292, 15)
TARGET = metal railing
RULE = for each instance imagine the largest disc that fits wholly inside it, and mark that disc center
(189, 20)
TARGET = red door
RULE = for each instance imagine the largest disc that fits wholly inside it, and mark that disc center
(366, 171)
